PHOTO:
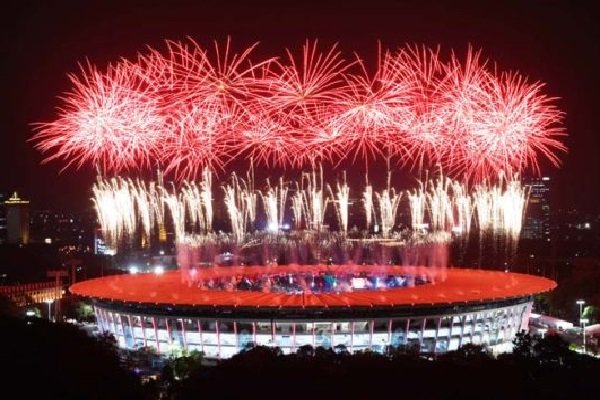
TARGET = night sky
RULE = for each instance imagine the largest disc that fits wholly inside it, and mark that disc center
(550, 41)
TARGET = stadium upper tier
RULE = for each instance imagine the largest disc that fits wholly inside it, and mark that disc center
(445, 286)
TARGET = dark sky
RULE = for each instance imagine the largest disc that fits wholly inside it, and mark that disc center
(550, 41)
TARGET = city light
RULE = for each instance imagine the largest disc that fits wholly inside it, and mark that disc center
(582, 321)
(49, 301)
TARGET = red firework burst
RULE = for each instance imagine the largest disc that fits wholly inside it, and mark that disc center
(512, 127)
(375, 110)
(189, 108)
(112, 120)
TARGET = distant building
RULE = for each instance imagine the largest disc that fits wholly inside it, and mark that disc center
(75, 230)
(536, 225)
(17, 219)
(3, 198)
(31, 293)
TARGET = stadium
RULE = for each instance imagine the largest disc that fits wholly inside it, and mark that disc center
(467, 306)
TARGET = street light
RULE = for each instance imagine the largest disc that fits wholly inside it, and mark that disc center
(582, 321)
(49, 302)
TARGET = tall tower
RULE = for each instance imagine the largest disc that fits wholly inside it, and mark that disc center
(17, 219)
(537, 216)
(2, 218)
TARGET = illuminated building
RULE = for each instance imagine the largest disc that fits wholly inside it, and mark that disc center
(537, 216)
(31, 293)
(17, 219)
(74, 229)
(2, 218)
(468, 306)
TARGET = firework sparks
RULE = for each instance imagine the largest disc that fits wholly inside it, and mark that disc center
(274, 201)
(110, 120)
(388, 201)
(341, 202)
(368, 205)
(189, 108)
(437, 206)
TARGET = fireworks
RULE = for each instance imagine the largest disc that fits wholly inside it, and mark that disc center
(500, 207)
(274, 201)
(388, 201)
(341, 203)
(240, 201)
(438, 208)
(368, 205)
(189, 108)
(112, 120)
(314, 201)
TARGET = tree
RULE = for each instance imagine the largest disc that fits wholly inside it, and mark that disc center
(74, 307)
(8, 307)
(523, 345)
(305, 351)
(85, 312)
(552, 349)
(592, 313)
(63, 362)
(185, 365)
(108, 341)
(142, 359)
(342, 350)
(469, 352)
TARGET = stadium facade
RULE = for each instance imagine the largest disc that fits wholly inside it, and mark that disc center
(440, 314)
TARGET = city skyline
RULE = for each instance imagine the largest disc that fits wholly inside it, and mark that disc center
(47, 188)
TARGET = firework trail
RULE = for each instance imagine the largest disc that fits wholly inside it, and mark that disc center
(341, 202)
(368, 205)
(274, 201)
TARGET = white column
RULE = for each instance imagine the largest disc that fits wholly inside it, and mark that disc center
(130, 329)
(169, 338)
(99, 319)
(235, 335)
(183, 335)
(218, 339)
(200, 334)
(293, 336)
(463, 321)
(352, 337)
(422, 333)
(331, 329)
(143, 325)
(156, 334)
(437, 331)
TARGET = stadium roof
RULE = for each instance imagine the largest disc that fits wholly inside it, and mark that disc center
(448, 286)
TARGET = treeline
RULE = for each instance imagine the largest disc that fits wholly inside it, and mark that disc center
(538, 368)
(60, 361)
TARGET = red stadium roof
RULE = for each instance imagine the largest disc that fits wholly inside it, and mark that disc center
(449, 286)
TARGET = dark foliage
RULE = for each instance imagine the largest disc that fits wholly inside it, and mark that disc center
(550, 372)
(59, 361)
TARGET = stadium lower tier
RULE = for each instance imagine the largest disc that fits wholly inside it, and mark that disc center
(222, 333)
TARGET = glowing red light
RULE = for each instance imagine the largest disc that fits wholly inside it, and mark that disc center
(188, 108)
